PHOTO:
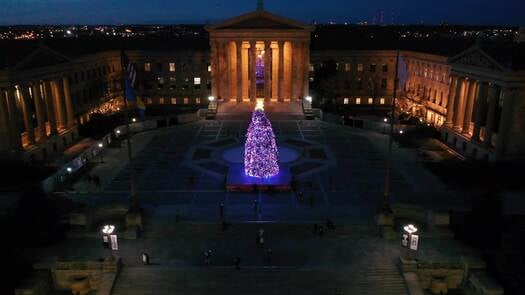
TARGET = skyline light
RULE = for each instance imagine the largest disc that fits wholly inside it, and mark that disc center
(504, 12)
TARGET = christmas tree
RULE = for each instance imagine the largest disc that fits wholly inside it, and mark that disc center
(260, 150)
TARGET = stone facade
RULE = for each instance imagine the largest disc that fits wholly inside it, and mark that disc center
(475, 99)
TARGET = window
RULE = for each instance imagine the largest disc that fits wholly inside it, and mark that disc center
(160, 82)
(372, 68)
(149, 100)
(186, 100)
(383, 83)
(209, 68)
(198, 100)
(161, 100)
(359, 67)
(173, 100)
(172, 67)
(173, 84)
(312, 68)
(197, 81)
(358, 100)
(147, 67)
(345, 100)
(385, 68)
(382, 100)
(348, 67)
(370, 100)
(337, 66)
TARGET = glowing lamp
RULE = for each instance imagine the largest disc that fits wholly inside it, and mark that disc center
(108, 229)
(211, 98)
(410, 228)
(308, 98)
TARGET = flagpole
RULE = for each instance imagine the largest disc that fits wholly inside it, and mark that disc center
(386, 196)
(133, 193)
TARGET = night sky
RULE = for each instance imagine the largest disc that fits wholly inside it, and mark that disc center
(496, 12)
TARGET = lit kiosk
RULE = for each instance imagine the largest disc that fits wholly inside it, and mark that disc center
(260, 55)
(261, 169)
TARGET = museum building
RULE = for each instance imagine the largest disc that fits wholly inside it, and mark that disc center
(475, 96)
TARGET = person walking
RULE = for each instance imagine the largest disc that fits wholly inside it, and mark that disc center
(255, 205)
(321, 230)
(269, 255)
(221, 210)
(145, 257)
(237, 262)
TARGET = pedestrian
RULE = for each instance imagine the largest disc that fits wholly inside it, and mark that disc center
(224, 225)
(221, 210)
(330, 224)
(145, 258)
(261, 232)
(321, 230)
(255, 205)
(207, 257)
(237, 262)
(261, 241)
(301, 195)
(89, 179)
(311, 200)
(269, 255)
(96, 181)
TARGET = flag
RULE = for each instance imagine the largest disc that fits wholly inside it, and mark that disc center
(130, 80)
(402, 72)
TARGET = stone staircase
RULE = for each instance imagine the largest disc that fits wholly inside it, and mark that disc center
(384, 279)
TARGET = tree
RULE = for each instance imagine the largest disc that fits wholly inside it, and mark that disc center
(326, 86)
(260, 149)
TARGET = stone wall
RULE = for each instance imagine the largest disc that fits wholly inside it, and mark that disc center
(63, 272)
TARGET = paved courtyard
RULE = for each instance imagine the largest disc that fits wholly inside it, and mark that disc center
(346, 186)
(349, 189)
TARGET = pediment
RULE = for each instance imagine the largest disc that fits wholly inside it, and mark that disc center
(260, 20)
(476, 57)
(41, 57)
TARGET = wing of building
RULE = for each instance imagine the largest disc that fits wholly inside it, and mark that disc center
(473, 92)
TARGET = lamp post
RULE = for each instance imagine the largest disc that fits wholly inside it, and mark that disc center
(107, 231)
(100, 146)
(410, 239)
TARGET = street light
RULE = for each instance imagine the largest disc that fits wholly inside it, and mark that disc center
(134, 120)
(308, 99)
(69, 170)
(385, 120)
(107, 231)
(211, 98)
(100, 145)
(410, 239)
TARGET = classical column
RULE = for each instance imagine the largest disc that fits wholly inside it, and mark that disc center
(5, 132)
(25, 98)
(16, 142)
(39, 106)
(491, 115)
(295, 59)
(50, 108)
(505, 121)
(70, 113)
(281, 71)
(459, 107)
(225, 74)
(59, 103)
(214, 70)
(306, 69)
(238, 45)
(469, 107)
(454, 93)
(267, 70)
(480, 107)
(253, 61)
(275, 72)
(245, 73)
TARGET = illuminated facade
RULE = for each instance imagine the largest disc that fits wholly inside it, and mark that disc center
(475, 98)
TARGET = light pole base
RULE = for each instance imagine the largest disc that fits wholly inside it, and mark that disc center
(385, 217)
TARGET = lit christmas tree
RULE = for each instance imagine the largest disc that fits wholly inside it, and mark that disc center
(260, 150)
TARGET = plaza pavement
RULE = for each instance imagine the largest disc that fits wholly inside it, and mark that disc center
(353, 259)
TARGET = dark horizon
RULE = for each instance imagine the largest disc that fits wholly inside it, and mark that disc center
(162, 12)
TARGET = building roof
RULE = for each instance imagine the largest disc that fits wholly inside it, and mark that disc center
(510, 55)
(259, 20)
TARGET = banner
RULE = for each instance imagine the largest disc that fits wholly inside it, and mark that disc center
(114, 242)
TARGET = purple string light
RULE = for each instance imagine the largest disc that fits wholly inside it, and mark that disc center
(260, 150)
